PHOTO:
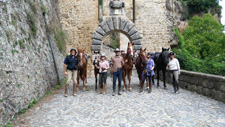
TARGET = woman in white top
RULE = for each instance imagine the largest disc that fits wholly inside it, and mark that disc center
(174, 69)
(103, 67)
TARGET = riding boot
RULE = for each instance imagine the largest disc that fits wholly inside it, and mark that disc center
(104, 89)
(150, 88)
(141, 88)
(74, 89)
(174, 86)
(119, 90)
(66, 90)
(177, 85)
(100, 89)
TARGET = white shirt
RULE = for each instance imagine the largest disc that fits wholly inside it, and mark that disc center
(174, 65)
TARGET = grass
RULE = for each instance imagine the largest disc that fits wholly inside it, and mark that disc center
(2, 100)
(44, 9)
(18, 85)
(31, 105)
(14, 22)
(22, 30)
(31, 21)
(22, 111)
(21, 42)
(28, 76)
(15, 44)
(14, 51)
(9, 124)
(57, 86)
(8, 34)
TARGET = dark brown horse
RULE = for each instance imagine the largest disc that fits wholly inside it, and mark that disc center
(82, 71)
(96, 71)
(139, 66)
(161, 62)
(128, 66)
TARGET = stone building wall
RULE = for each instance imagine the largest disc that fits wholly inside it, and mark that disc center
(79, 18)
(26, 65)
(153, 20)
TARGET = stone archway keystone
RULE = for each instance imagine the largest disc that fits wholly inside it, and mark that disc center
(116, 24)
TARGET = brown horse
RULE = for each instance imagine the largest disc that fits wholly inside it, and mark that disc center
(128, 66)
(82, 71)
(139, 66)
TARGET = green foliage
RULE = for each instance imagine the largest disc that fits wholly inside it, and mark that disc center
(22, 30)
(8, 34)
(33, 7)
(57, 86)
(35, 101)
(8, 124)
(204, 38)
(31, 21)
(21, 43)
(22, 111)
(44, 9)
(115, 40)
(60, 38)
(31, 105)
(14, 51)
(15, 44)
(101, 2)
(2, 100)
(18, 85)
(198, 6)
(13, 22)
(202, 48)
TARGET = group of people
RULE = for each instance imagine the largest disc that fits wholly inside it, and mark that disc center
(115, 66)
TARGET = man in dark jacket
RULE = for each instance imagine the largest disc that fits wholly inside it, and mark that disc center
(70, 69)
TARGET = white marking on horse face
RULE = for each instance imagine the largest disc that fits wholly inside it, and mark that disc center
(131, 48)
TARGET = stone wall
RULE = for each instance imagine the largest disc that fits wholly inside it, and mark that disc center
(26, 64)
(212, 86)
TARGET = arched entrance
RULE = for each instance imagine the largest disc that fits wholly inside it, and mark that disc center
(116, 24)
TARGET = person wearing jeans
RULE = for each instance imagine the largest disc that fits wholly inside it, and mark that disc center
(148, 72)
(174, 69)
(70, 69)
(116, 69)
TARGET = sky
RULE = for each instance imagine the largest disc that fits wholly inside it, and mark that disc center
(222, 3)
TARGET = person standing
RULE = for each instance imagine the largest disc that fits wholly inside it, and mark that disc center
(116, 69)
(123, 53)
(103, 68)
(174, 70)
(148, 72)
(70, 69)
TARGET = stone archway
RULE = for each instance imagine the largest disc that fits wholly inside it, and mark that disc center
(116, 24)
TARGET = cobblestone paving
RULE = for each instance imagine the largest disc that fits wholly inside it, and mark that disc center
(161, 108)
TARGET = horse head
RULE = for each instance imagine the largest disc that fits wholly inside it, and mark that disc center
(80, 56)
(165, 55)
(142, 54)
(130, 49)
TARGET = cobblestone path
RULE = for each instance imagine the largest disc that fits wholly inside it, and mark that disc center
(161, 108)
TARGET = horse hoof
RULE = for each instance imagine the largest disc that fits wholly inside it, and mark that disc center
(147, 88)
(130, 89)
(124, 89)
(165, 88)
(77, 89)
(84, 89)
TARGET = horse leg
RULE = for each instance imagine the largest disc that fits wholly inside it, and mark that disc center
(129, 78)
(78, 78)
(164, 79)
(124, 80)
(157, 78)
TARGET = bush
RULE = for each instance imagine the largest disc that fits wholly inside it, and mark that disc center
(201, 48)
